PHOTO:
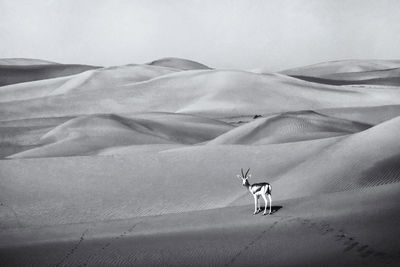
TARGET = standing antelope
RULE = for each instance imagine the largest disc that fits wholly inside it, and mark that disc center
(257, 190)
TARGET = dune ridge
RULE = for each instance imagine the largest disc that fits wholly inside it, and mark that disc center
(178, 63)
(289, 127)
(25, 61)
(12, 74)
(85, 135)
(342, 66)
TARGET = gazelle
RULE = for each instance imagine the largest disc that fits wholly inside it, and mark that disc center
(257, 190)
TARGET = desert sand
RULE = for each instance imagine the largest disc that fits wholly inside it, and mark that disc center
(136, 165)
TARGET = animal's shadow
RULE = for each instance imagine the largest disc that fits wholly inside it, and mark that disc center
(273, 209)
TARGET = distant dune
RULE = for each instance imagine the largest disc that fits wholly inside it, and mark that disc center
(347, 72)
(25, 61)
(178, 63)
(343, 66)
(136, 165)
(12, 74)
(99, 79)
(370, 78)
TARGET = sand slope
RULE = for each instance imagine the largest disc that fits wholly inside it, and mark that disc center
(86, 135)
(363, 159)
(368, 115)
(20, 135)
(289, 127)
(228, 236)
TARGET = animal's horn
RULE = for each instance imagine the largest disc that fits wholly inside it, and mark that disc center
(247, 172)
(241, 169)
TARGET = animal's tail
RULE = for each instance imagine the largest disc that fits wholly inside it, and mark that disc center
(269, 189)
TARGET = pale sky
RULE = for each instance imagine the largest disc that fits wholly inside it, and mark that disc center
(267, 34)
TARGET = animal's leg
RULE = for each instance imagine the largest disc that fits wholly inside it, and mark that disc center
(266, 203)
(255, 204)
(258, 204)
(270, 203)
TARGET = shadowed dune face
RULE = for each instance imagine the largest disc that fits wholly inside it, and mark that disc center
(105, 158)
(343, 66)
(355, 72)
(11, 74)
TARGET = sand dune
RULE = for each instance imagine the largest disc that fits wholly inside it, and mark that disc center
(350, 72)
(213, 93)
(17, 136)
(84, 189)
(389, 78)
(178, 63)
(86, 135)
(368, 115)
(104, 188)
(227, 236)
(343, 66)
(11, 74)
(367, 158)
(99, 79)
(374, 83)
(25, 61)
(289, 127)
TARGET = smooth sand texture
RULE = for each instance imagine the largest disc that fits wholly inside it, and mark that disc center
(135, 166)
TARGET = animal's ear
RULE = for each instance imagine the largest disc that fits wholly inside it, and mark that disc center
(249, 176)
(238, 176)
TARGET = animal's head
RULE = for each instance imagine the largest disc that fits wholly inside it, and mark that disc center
(244, 176)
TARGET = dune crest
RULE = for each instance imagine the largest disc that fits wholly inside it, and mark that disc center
(86, 135)
(343, 66)
(24, 61)
(13, 74)
(178, 63)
